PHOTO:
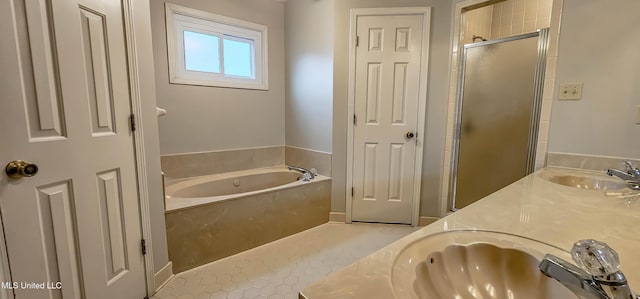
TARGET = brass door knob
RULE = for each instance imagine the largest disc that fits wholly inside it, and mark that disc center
(20, 169)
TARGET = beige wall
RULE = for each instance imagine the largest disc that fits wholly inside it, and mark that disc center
(203, 118)
(436, 99)
(599, 43)
(228, 119)
(309, 73)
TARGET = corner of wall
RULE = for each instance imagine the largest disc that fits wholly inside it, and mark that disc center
(149, 123)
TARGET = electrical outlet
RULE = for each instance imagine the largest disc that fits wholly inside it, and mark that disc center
(570, 91)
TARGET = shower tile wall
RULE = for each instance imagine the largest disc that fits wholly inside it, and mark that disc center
(519, 16)
(504, 19)
(476, 22)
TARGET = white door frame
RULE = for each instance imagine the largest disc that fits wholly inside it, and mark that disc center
(140, 157)
(138, 140)
(422, 98)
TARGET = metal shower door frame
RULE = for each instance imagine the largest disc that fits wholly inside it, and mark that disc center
(543, 45)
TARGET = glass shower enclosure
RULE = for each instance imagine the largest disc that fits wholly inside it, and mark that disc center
(498, 109)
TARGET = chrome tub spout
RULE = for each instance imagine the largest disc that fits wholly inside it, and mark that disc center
(307, 175)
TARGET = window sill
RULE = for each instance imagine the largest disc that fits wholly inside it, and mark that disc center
(181, 81)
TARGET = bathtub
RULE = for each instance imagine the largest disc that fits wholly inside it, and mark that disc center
(189, 192)
(215, 216)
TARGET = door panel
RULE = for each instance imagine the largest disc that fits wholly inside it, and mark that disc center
(55, 207)
(66, 102)
(395, 171)
(94, 40)
(114, 238)
(373, 93)
(43, 101)
(386, 97)
(398, 112)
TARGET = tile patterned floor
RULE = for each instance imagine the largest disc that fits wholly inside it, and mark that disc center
(282, 268)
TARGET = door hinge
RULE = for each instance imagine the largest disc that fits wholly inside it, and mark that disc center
(357, 41)
(355, 119)
(352, 191)
(144, 246)
(132, 122)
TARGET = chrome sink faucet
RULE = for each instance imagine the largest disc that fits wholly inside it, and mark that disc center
(307, 175)
(631, 174)
(598, 277)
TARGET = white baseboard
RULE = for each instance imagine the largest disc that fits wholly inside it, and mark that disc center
(342, 218)
(424, 221)
(337, 217)
(164, 275)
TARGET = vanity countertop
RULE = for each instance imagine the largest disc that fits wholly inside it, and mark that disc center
(531, 207)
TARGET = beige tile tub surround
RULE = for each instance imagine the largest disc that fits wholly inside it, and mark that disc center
(197, 164)
(205, 233)
(589, 162)
(531, 207)
(179, 166)
(307, 158)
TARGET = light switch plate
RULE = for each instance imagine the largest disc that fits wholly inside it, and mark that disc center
(638, 115)
(570, 91)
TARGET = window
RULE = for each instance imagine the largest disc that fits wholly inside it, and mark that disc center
(213, 50)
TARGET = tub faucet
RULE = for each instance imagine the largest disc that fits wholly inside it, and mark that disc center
(631, 174)
(306, 174)
(598, 277)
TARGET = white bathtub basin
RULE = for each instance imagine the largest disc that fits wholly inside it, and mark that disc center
(189, 192)
(233, 183)
(475, 264)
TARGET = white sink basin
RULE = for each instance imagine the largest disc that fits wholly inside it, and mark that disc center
(475, 264)
(586, 182)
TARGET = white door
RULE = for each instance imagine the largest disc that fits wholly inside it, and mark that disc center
(387, 98)
(64, 97)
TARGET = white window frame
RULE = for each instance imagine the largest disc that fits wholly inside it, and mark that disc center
(180, 18)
